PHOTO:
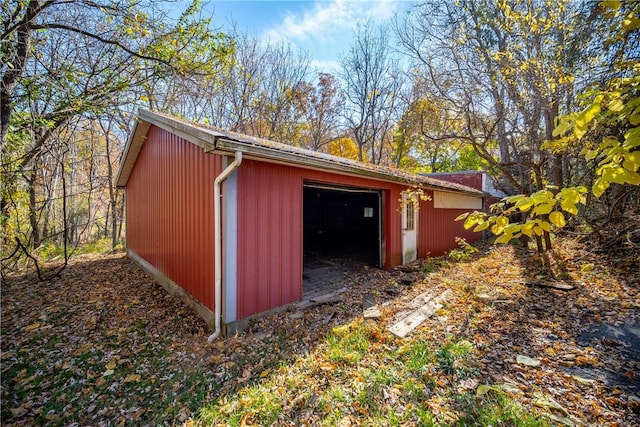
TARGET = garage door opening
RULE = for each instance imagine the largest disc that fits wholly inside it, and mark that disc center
(341, 233)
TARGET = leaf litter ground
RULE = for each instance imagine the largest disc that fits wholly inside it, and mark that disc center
(105, 345)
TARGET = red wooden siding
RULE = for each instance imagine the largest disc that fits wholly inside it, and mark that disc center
(170, 211)
(270, 253)
(394, 221)
(437, 229)
(269, 237)
(170, 222)
(470, 179)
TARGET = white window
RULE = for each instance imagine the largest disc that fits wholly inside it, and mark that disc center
(410, 217)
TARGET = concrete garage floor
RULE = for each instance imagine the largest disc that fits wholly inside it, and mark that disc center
(322, 275)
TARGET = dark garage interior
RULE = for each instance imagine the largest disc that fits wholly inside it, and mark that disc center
(341, 231)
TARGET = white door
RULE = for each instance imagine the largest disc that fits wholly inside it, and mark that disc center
(409, 229)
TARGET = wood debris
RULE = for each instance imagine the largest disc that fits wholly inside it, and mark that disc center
(559, 286)
(413, 320)
(322, 299)
(370, 309)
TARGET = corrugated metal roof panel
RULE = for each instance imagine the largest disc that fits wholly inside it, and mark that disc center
(213, 139)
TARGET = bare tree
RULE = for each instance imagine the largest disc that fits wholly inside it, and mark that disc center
(506, 69)
(240, 86)
(322, 105)
(372, 83)
(278, 114)
(256, 92)
(63, 63)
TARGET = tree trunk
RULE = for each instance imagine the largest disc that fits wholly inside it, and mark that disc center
(119, 215)
(33, 210)
(112, 211)
(547, 241)
(11, 74)
(547, 237)
(107, 220)
(539, 244)
(115, 231)
(557, 163)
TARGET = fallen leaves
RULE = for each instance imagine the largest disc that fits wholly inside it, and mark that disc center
(106, 345)
(468, 384)
(132, 378)
(265, 373)
(71, 354)
(548, 403)
(32, 327)
(498, 388)
(586, 360)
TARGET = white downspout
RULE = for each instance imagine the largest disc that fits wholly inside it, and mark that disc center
(217, 235)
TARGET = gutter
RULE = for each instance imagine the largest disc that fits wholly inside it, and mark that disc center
(217, 236)
(325, 162)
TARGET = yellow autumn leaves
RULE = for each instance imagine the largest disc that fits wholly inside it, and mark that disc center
(544, 210)
(618, 159)
(615, 159)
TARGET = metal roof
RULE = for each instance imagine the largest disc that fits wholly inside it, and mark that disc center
(215, 140)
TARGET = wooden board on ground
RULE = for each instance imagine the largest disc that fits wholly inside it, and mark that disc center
(413, 320)
(370, 309)
(422, 299)
(559, 286)
(322, 299)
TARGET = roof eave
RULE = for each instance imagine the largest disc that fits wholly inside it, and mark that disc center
(226, 145)
(131, 151)
(229, 145)
(219, 143)
(201, 137)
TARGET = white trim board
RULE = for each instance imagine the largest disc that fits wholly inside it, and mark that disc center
(442, 200)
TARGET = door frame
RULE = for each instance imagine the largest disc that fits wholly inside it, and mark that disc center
(409, 227)
(353, 189)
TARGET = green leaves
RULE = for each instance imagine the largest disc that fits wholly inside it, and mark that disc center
(545, 210)
(472, 219)
(586, 116)
(500, 223)
(188, 47)
(618, 107)
(617, 161)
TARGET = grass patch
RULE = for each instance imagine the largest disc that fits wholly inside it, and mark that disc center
(375, 383)
(499, 409)
(103, 346)
(452, 357)
(417, 356)
(348, 344)
(49, 251)
(253, 405)
(351, 376)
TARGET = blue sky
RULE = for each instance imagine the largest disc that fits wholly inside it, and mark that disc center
(323, 28)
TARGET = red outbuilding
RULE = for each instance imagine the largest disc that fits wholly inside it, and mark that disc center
(224, 220)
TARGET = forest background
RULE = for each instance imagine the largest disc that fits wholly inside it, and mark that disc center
(542, 94)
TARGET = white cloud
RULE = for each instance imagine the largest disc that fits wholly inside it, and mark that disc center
(384, 10)
(326, 28)
(329, 20)
(322, 19)
(332, 67)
